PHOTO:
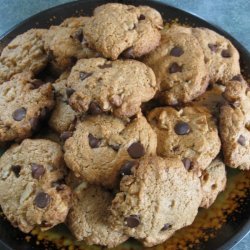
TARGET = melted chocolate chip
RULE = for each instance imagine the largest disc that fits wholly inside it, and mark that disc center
(182, 128)
(16, 170)
(34, 123)
(166, 227)
(225, 53)
(213, 47)
(237, 78)
(94, 142)
(66, 135)
(105, 66)
(176, 51)
(42, 200)
(69, 92)
(19, 114)
(84, 75)
(37, 170)
(136, 150)
(187, 163)
(141, 17)
(242, 140)
(127, 166)
(94, 109)
(174, 68)
(132, 221)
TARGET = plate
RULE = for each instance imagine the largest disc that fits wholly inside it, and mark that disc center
(222, 226)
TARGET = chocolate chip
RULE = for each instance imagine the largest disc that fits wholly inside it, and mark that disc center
(115, 147)
(69, 92)
(16, 170)
(225, 53)
(36, 83)
(141, 17)
(84, 75)
(37, 170)
(93, 141)
(94, 109)
(176, 51)
(187, 163)
(136, 150)
(127, 166)
(42, 200)
(213, 47)
(237, 78)
(79, 35)
(182, 128)
(66, 135)
(242, 140)
(19, 114)
(34, 123)
(132, 221)
(166, 227)
(174, 68)
(105, 66)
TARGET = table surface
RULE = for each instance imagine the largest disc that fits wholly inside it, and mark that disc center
(231, 15)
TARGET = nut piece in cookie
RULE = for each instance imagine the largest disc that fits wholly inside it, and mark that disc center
(117, 29)
(156, 198)
(190, 134)
(88, 217)
(31, 188)
(24, 103)
(104, 148)
(119, 87)
(24, 53)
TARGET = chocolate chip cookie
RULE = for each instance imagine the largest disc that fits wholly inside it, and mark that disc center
(102, 148)
(31, 186)
(157, 197)
(213, 181)
(24, 103)
(119, 87)
(117, 29)
(87, 219)
(24, 53)
(190, 134)
(179, 67)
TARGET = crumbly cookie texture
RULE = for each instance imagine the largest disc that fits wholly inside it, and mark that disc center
(88, 217)
(117, 28)
(118, 86)
(213, 181)
(179, 66)
(234, 126)
(190, 134)
(30, 185)
(24, 53)
(102, 147)
(24, 102)
(156, 198)
(74, 22)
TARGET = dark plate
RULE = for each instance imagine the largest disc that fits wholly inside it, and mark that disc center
(220, 227)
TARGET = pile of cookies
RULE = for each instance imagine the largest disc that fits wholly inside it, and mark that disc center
(147, 117)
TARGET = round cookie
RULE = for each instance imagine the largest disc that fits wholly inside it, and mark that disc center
(156, 198)
(88, 217)
(24, 53)
(24, 102)
(119, 87)
(190, 134)
(30, 185)
(179, 67)
(213, 181)
(102, 147)
(117, 28)
(234, 126)
(74, 22)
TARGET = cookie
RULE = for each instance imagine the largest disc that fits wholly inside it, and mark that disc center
(63, 116)
(24, 103)
(213, 181)
(117, 29)
(87, 219)
(32, 193)
(24, 53)
(74, 22)
(119, 87)
(190, 134)
(234, 126)
(156, 198)
(179, 66)
(103, 147)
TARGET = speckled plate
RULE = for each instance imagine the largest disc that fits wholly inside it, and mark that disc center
(220, 227)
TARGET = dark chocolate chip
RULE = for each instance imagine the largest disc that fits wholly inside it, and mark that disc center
(94, 142)
(174, 68)
(19, 114)
(132, 221)
(42, 200)
(176, 51)
(37, 170)
(94, 109)
(242, 140)
(187, 163)
(127, 166)
(36, 83)
(66, 135)
(141, 17)
(34, 123)
(69, 92)
(105, 66)
(136, 150)
(182, 128)
(237, 78)
(166, 227)
(84, 75)
(115, 147)
(213, 47)
(16, 170)
(226, 53)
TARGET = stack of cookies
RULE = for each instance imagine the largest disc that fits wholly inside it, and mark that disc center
(142, 111)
